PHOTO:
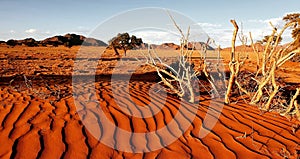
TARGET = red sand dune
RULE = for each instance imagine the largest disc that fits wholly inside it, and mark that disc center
(32, 127)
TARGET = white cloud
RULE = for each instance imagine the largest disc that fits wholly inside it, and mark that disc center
(156, 37)
(12, 31)
(82, 30)
(277, 22)
(259, 28)
(256, 21)
(264, 28)
(30, 31)
(205, 25)
(221, 34)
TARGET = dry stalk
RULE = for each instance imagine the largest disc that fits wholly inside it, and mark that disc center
(297, 110)
(277, 60)
(210, 79)
(37, 91)
(181, 77)
(259, 93)
(293, 104)
(266, 52)
(287, 57)
(233, 64)
(256, 52)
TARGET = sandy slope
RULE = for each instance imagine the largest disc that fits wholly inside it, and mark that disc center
(32, 127)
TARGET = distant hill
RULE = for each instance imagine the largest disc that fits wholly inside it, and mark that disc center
(93, 42)
(259, 47)
(165, 46)
(26, 42)
(70, 40)
(67, 40)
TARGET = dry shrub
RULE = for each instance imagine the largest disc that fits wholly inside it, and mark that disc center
(264, 88)
(36, 87)
(182, 77)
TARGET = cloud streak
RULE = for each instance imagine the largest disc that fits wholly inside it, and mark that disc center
(209, 25)
(156, 37)
(30, 31)
(258, 27)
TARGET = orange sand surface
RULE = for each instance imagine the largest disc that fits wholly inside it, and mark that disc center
(44, 122)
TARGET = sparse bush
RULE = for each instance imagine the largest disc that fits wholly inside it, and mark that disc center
(295, 19)
(125, 42)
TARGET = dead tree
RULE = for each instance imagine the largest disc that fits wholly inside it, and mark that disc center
(233, 64)
(180, 81)
(272, 59)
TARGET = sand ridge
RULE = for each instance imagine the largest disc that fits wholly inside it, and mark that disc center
(33, 128)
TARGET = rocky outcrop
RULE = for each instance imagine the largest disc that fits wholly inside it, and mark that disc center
(67, 40)
(70, 40)
(28, 42)
(170, 46)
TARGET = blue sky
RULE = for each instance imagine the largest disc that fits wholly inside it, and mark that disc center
(40, 19)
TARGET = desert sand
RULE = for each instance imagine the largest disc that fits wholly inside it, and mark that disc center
(42, 121)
